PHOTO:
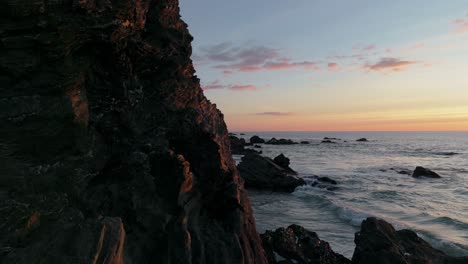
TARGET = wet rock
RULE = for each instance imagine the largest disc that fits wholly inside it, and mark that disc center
(378, 242)
(423, 172)
(280, 141)
(256, 140)
(263, 173)
(362, 140)
(298, 245)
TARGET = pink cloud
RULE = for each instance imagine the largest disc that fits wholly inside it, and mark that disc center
(392, 64)
(461, 25)
(333, 66)
(247, 87)
(274, 113)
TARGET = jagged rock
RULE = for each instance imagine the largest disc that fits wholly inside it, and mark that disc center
(280, 141)
(423, 172)
(263, 173)
(237, 145)
(103, 118)
(378, 242)
(282, 160)
(298, 245)
(256, 140)
(362, 140)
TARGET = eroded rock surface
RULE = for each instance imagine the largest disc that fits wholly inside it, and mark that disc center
(110, 151)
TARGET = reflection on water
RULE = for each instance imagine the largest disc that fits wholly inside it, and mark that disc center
(370, 186)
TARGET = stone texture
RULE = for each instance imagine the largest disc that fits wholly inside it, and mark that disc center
(110, 151)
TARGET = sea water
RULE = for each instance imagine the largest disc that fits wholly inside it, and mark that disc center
(369, 185)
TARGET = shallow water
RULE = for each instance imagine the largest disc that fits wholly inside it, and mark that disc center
(437, 209)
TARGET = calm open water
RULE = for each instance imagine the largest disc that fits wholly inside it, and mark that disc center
(437, 209)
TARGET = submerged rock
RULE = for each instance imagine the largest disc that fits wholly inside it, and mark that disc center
(295, 244)
(423, 172)
(362, 140)
(256, 140)
(379, 242)
(263, 173)
(327, 141)
(305, 142)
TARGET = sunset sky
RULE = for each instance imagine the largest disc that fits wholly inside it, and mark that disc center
(333, 65)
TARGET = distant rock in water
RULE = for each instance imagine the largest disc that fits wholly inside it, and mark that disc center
(237, 145)
(331, 138)
(378, 242)
(305, 142)
(280, 141)
(257, 146)
(322, 182)
(423, 172)
(295, 244)
(362, 140)
(284, 162)
(256, 140)
(263, 173)
(327, 141)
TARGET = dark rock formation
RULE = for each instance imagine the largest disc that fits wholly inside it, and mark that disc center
(327, 141)
(280, 141)
(378, 242)
(256, 140)
(322, 182)
(305, 142)
(330, 138)
(362, 140)
(257, 146)
(110, 151)
(237, 145)
(423, 172)
(298, 245)
(263, 173)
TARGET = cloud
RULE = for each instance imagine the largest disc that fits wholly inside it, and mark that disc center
(230, 59)
(247, 87)
(368, 48)
(393, 64)
(274, 113)
(215, 85)
(333, 66)
(461, 25)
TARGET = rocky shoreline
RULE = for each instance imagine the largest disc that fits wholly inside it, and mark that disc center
(112, 154)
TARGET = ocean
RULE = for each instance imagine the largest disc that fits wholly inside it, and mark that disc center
(369, 185)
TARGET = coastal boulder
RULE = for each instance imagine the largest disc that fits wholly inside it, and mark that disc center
(237, 145)
(379, 242)
(280, 141)
(256, 140)
(423, 172)
(295, 244)
(263, 173)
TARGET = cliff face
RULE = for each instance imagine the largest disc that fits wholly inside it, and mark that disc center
(110, 153)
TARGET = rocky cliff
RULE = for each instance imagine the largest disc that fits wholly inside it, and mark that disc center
(110, 153)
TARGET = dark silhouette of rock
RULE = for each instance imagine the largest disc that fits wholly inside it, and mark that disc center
(423, 172)
(322, 182)
(330, 138)
(280, 141)
(257, 146)
(298, 245)
(256, 140)
(327, 180)
(305, 142)
(105, 131)
(327, 141)
(378, 242)
(362, 140)
(404, 172)
(237, 145)
(242, 134)
(263, 173)
(284, 162)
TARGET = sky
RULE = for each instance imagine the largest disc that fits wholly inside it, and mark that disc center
(333, 65)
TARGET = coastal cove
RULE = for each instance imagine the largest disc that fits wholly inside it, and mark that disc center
(369, 184)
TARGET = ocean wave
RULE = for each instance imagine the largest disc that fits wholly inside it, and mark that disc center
(448, 247)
